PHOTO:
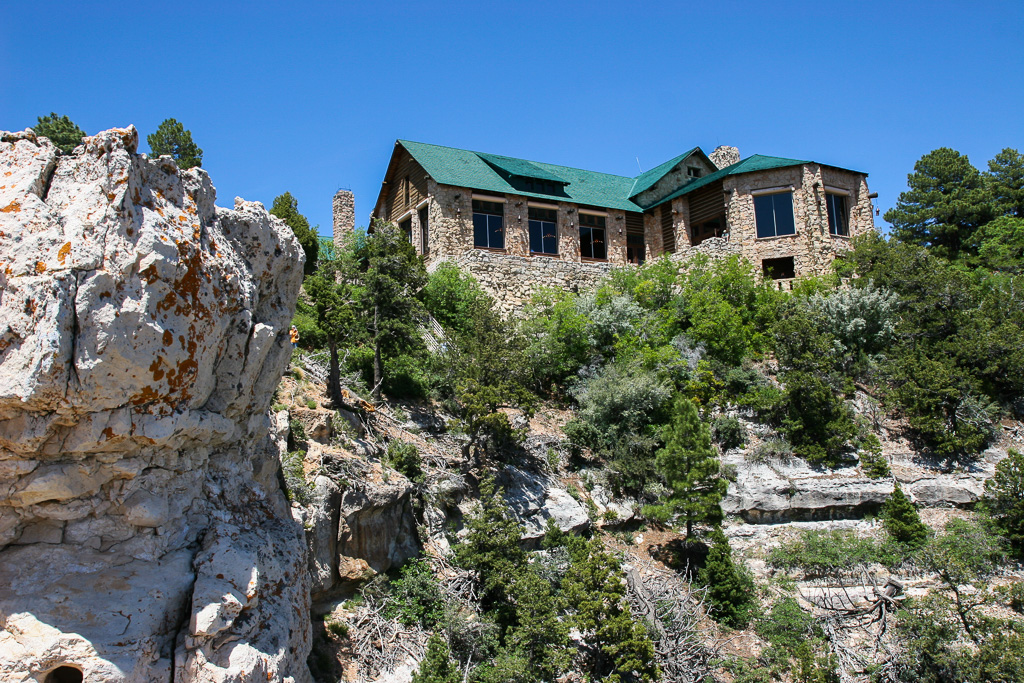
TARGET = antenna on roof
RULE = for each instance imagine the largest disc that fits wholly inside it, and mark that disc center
(638, 165)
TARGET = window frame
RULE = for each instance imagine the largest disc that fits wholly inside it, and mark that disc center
(833, 228)
(550, 212)
(494, 210)
(772, 194)
(591, 241)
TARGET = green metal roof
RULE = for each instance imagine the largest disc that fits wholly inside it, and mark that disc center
(757, 162)
(519, 168)
(492, 173)
(463, 168)
(645, 180)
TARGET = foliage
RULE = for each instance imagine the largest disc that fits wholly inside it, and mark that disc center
(1004, 498)
(943, 206)
(558, 345)
(860, 320)
(690, 467)
(286, 207)
(817, 423)
(1001, 245)
(1005, 180)
(872, 461)
(594, 586)
(171, 139)
(61, 131)
(437, 665)
(728, 432)
(730, 585)
(772, 450)
(417, 596)
(787, 625)
(296, 486)
(901, 521)
(453, 298)
(405, 458)
(822, 553)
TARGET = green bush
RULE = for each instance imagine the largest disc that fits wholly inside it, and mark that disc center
(296, 434)
(296, 486)
(872, 461)
(901, 521)
(728, 432)
(730, 585)
(787, 625)
(417, 597)
(1004, 498)
(771, 450)
(405, 458)
(336, 628)
(818, 423)
(823, 553)
(451, 296)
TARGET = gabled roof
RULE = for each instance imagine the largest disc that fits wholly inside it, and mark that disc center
(463, 168)
(757, 162)
(648, 178)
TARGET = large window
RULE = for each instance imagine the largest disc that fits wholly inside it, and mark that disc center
(635, 251)
(425, 230)
(774, 214)
(543, 231)
(592, 240)
(838, 218)
(488, 224)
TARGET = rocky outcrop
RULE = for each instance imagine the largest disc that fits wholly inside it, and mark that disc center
(535, 498)
(143, 532)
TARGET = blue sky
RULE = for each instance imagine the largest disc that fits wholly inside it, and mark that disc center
(309, 97)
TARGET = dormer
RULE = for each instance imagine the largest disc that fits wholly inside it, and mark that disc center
(652, 186)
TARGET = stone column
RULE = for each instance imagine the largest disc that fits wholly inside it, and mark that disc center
(724, 155)
(344, 207)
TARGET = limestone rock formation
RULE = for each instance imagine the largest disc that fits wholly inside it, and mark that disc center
(144, 535)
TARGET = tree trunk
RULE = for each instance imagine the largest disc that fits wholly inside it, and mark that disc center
(333, 373)
(689, 528)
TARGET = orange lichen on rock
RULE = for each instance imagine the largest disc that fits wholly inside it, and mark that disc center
(13, 207)
(168, 338)
(40, 267)
(63, 253)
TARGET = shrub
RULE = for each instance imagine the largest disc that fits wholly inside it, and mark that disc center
(771, 450)
(296, 434)
(296, 486)
(861, 320)
(336, 628)
(787, 625)
(872, 461)
(728, 432)
(1004, 498)
(818, 423)
(405, 458)
(821, 553)
(417, 596)
(437, 665)
(451, 296)
(730, 586)
(901, 521)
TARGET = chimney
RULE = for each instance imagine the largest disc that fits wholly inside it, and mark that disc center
(344, 207)
(724, 155)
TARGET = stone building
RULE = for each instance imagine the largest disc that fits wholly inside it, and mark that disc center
(517, 224)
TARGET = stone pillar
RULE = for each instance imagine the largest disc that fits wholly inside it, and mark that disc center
(344, 206)
(725, 156)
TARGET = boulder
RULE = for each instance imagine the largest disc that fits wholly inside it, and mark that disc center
(144, 535)
(533, 498)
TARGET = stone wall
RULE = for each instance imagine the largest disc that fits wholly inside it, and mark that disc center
(512, 280)
(724, 155)
(344, 212)
(144, 535)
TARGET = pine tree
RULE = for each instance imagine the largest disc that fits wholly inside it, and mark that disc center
(437, 665)
(173, 140)
(901, 521)
(286, 207)
(1006, 182)
(690, 467)
(61, 131)
(945, 203)
(730, 588)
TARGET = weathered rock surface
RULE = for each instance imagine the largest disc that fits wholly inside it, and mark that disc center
(533, 499)
(143, 532)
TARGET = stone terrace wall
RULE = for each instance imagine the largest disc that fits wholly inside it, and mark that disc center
(512, 280)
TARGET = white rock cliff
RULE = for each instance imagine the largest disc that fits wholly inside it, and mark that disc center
(144, 535)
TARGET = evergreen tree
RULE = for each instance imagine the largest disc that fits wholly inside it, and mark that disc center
(818, 423)
(393, 278)
(538, 634)
(61, 131)
(286, 207)
(901, 521)
(730, 588)
(945, 203)
(437, 665)
(1004, 498)
(1006, 182)
(172, 139)
(691, 469)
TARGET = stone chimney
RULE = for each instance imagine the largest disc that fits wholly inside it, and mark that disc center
(344, 207)
(723, 156)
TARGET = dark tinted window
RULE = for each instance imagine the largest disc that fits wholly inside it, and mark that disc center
(837, 216)
(779, 268)
(543, 230)
(488, 226)
(425, 230)
(774, 214)
(406, 228)
(635, 251)
(592, 237)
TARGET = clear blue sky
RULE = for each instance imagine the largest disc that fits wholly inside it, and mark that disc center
(310, 97)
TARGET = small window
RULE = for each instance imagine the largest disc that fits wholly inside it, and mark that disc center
(592, 240)
(406, 228)
(774, 214)
(424, 230)
(488, 224)
(693, 172)
(838, 218)
(635, 251)
(778, 268)
(543, 230)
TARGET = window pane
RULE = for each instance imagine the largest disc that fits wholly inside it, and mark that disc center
(784, 222)
(497, 234)
(764, 215)
(479, 230)
(536, 236)
(842, 227)
(597, 237)
(550, 238)
(586, 248)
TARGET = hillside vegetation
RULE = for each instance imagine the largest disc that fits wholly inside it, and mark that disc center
(663, 369)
